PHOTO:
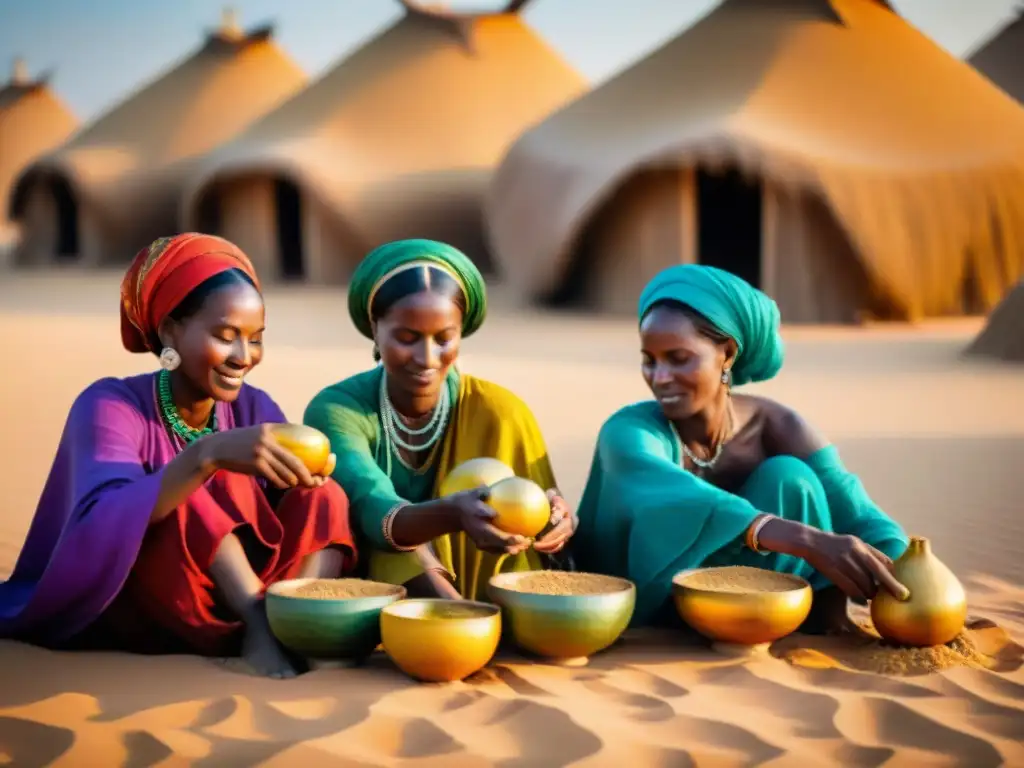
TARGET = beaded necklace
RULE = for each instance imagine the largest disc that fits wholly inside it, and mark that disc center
(171, 417)
(392, 423)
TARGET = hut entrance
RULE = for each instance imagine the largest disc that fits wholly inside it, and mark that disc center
(67, 219)
(729, 211)
(288, 206)
(209, 216)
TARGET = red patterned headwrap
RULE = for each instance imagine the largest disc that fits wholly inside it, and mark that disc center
(164, 273)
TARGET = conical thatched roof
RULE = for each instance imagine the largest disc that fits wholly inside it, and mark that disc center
(1001, 59)
(33, 120)
(1003, 335)
(406, 127)
(126, 167)
(919, 158)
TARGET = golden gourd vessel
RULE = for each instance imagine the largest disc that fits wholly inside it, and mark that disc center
(740, 605)
(310, 445)
(936, 610)
(440, 641)
(521, 506)
(474, 473)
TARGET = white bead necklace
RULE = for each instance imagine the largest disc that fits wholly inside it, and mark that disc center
(391, 423)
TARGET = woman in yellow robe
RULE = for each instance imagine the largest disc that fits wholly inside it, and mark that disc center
(400, 428)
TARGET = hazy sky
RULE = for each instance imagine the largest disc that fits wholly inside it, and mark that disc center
(102, 49)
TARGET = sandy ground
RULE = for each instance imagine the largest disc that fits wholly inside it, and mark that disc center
(939, 443)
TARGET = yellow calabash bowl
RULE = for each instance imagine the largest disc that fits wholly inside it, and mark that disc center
(521, 506)
(310, 445)
(439, 641)
(474, 473)
(741, 618)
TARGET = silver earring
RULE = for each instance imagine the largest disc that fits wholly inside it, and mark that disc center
(727, 377)
(169, 358)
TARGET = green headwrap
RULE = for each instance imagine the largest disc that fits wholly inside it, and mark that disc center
(383, 261)
(733, 306)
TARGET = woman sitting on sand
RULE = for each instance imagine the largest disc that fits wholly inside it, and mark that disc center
(399, 428)
(701, 476)
(170, 506)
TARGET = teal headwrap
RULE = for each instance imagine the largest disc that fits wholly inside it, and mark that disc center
(384, 261)
(733, 306)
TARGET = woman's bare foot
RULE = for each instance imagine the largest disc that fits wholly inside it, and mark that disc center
(260, 648)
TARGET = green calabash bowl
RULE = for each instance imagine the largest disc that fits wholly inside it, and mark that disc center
(563, 626)
(327, 629)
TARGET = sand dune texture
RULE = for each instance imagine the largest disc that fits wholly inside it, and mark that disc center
(939, 441)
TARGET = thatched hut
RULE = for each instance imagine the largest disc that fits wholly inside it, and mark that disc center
(823, 149)
(33, 120)
(1001, 59)
(398, 140)
(116, 184)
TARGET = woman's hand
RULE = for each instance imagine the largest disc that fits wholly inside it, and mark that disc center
(432, 583)
(254, 451)
(858, 569)
(562, 525)
(475, 517)
(435, 581)
(321, 480)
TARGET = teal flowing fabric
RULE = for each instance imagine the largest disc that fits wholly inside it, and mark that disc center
(644, 517)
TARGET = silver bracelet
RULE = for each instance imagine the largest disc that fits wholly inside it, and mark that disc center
(388, 521)
(755, 544)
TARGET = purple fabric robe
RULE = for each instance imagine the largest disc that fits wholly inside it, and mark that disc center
(95, 507)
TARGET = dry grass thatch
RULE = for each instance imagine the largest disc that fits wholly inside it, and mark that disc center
(33, 120)
(918, 157)
(123, 172)
(400, 138)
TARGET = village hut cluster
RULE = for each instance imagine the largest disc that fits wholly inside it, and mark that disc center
(825, 150)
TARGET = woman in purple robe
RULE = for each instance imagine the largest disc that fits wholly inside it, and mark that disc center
(170, 507)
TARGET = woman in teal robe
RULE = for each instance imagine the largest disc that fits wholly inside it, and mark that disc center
(701, 476)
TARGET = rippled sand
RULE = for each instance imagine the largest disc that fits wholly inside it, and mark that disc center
(939, 442)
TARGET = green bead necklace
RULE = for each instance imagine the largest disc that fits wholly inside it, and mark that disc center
(173, 419)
